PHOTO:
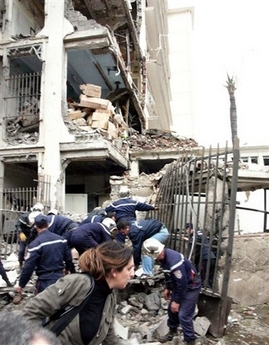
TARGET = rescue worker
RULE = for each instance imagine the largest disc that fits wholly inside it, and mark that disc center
(48, 255)
(202, 255)
(26, 229)
(98, 215)
(138, 232)
(125, 207)
(4, 274)
(182, 288)
(59, 224)
(90, 235)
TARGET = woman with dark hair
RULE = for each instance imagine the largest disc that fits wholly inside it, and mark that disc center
(103, 270)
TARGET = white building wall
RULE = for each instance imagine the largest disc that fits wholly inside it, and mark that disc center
(180, 42)
(228, 37)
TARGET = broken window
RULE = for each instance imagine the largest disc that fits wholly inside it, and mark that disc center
(22, 103)
(22, 94)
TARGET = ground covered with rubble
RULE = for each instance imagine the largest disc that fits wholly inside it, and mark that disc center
(142, 313)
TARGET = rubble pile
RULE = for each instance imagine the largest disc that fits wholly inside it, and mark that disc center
(157, 140)
(95, 113)
(142, 312)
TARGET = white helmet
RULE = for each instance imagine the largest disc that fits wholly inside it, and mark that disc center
(31, 217)
(152, 247)
(38, 207)
(110, 224)
(124, 192)
(53, 211)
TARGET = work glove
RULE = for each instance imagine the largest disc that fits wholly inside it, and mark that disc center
(22, 237)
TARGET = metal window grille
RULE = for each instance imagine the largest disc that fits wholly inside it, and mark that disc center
(22, 98)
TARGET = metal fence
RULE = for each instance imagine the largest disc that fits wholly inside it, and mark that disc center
(14, 202)
(202, 190)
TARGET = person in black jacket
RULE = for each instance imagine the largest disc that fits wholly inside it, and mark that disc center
(48, 255)
(138, 232)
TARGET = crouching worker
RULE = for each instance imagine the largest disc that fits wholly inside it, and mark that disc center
(182, 288)
(105, 268)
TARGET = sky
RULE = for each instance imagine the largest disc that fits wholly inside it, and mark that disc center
(231, 37)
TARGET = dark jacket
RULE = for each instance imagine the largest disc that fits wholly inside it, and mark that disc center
(125, 208)
(72, 289)
(59, 224)
(46, 255)
(180, 274)
(23, 225)
(201, 240)
(139, 232)
(89, 235)
(97, 218)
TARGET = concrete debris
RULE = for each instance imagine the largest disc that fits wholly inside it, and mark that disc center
(161, 141)
(201, 325)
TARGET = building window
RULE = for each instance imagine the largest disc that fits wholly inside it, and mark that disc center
(244, 159)
(254, 160)
(265, 160)
(22, 103)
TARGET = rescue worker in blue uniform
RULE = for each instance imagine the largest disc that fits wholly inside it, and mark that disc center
(125, 207)
(26, 231)
(138, 232)
(90, 235)
(183, 286)
(202, 255)
(60, 224)
(48, 255)
(98, 216)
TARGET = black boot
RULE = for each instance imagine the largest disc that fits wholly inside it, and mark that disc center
(168, 336)
(190, 342)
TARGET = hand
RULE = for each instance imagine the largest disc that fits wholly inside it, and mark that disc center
(22, 237)
(166, 294)
(174, 307)
(19, 289)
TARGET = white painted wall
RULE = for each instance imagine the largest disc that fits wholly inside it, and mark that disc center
(227, 37)
(251, 222)
(76, 203)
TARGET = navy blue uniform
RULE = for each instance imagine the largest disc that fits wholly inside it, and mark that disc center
(60, 225)
(89, 235)
(26, 227)
(139, 232)
(182, 279)
(46, 255)
(97, 218)
(205, 254)
(125, 208)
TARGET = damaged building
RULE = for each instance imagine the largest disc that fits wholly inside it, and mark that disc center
(78, 78)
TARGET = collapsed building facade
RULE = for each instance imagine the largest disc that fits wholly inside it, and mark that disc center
(77, 78)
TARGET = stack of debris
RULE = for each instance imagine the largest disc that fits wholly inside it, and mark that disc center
(158, 140)
(94, 112)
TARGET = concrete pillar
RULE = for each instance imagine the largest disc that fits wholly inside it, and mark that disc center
(53, 100)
